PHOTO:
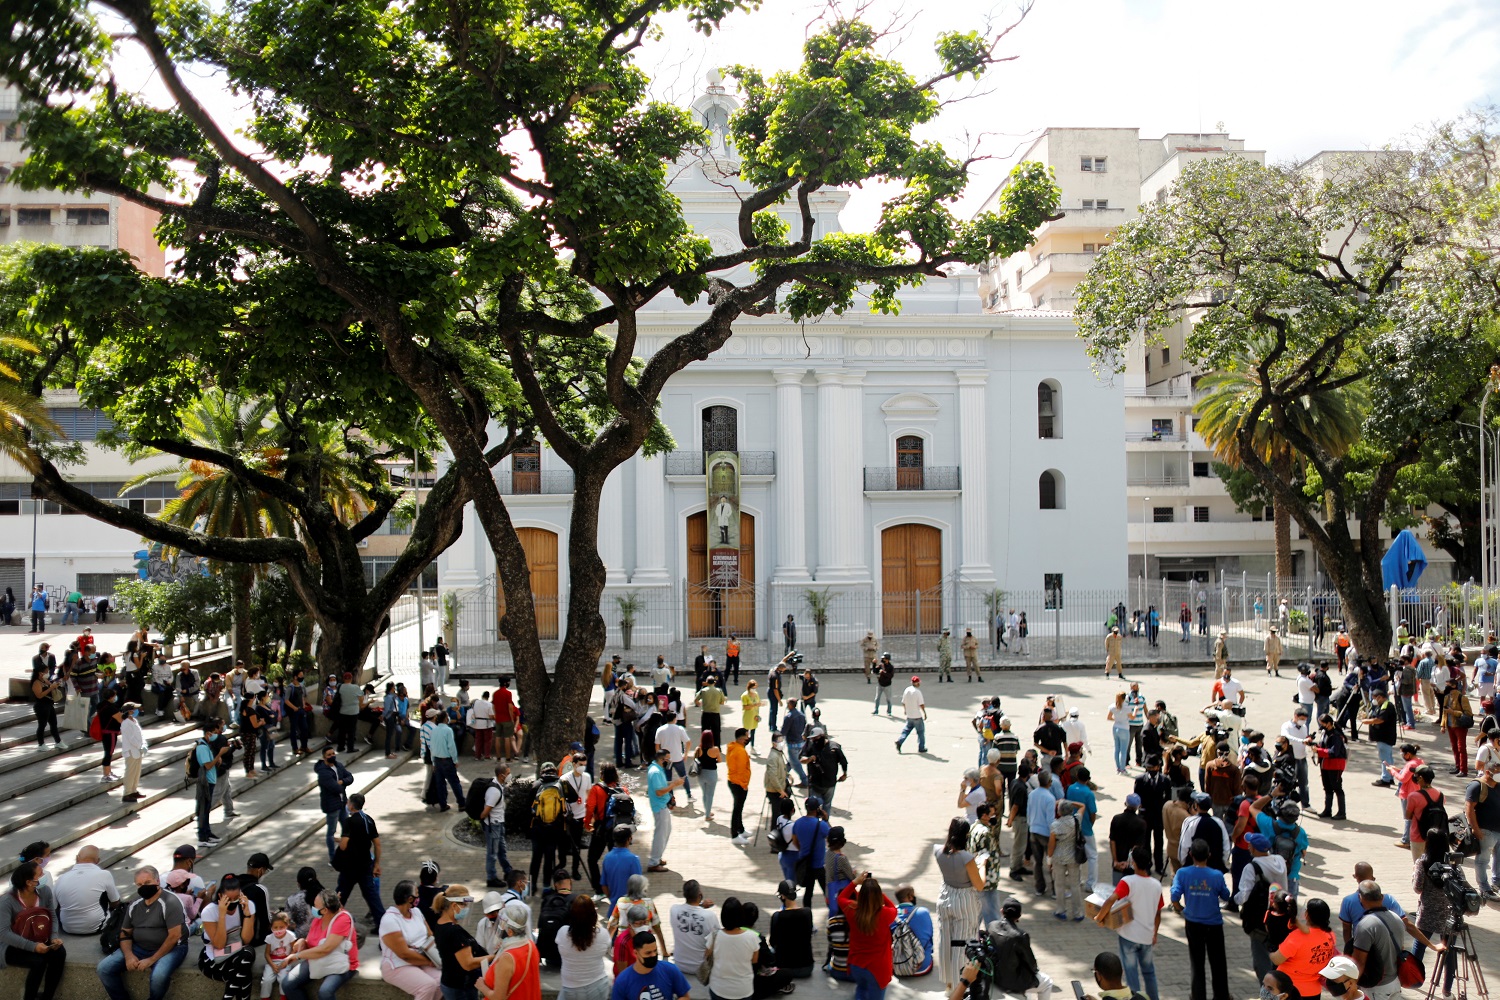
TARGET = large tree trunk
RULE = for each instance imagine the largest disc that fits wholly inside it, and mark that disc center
(241, 582)
(1282, 517)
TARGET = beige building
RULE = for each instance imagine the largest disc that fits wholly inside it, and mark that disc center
(1182, 524)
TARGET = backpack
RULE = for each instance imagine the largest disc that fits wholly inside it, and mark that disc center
(109, 934)
(619, 810)
(1285, 842)
(34, 923)
(548, 807)
(1253, 912)
(178, 887)
(552, 916)
(194, 768)
(474, 799)
(776, 840)
(1432, 815)
(907, 954)
(1324, 685)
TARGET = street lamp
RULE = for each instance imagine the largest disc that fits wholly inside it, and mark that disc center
(1145, 559)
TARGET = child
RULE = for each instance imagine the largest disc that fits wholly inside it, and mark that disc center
(278, 949)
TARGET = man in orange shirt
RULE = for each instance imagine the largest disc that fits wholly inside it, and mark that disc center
(738, 761)
(732, 660)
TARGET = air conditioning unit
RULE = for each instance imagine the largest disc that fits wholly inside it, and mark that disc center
(364, 543)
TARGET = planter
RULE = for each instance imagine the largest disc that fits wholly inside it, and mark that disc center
(822, 634)
(625, 631)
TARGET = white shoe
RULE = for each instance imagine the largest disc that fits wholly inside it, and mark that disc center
(741, 840)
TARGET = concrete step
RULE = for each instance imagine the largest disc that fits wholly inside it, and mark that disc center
(21, 752)
(65, 781)
(121, 829)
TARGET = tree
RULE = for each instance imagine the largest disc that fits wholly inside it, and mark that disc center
(481, 192)
(1330, 419)
(198, 607)
(1379, 272)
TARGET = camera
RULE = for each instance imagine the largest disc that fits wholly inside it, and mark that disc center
(1216, 732)
(1449, 875)
(983, 951)
(794, 657)
(235, 744)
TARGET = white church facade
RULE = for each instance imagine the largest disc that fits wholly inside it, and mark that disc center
(896, 462)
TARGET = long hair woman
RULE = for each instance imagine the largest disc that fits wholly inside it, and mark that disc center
(870, 915)
(958, 903)
(583, 946)
(1435, 915)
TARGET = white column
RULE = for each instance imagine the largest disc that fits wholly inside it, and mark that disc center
(850, 498)
(791, 486)
(830, 464)
(612, 529)
(651, 522)
(974, 561)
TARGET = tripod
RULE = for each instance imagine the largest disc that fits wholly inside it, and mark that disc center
(1466, 970)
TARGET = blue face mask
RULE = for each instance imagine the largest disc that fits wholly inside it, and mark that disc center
(463, 911)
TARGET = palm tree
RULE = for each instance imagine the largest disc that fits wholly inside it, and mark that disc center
(1330, 419)
(20, 411)
(218, 502)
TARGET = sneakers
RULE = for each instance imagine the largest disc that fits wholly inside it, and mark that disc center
(898, 746)
(741, 840)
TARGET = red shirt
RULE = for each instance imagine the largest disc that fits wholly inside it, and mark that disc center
(871, 952)
(1250, 826)
(526, 978)
(505, 705)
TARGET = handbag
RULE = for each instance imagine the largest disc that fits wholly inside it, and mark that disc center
(335, 963)
(75, 714)
(1409, 970)
(706, 970)
(1464, 721)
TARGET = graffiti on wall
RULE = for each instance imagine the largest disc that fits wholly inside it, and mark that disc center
(153, 565)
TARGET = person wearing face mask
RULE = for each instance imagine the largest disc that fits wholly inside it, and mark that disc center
(649, 978)
(576, 785)
(133, 750)
(329, 953)
(462, 955)
(406, 946)
(152, 939)
(1341, 979)
(516, 972)
(228, 930)
(31, 945)
(1276, 985)
(298, 712)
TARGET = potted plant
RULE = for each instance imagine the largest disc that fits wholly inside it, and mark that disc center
(630, 605)
(818, 602)
(452, 604)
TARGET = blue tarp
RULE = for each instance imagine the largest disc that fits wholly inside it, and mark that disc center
(1404, 562)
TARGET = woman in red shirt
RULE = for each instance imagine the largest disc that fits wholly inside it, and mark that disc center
(870, 915)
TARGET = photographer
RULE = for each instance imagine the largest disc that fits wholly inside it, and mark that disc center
(228, 934)
(1436, 916)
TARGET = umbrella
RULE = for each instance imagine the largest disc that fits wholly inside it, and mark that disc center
(1404, 562)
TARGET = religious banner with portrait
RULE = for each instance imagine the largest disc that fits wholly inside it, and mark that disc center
(723, 520)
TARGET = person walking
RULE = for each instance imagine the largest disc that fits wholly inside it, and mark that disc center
(46, 692)
(659, 789)
(711, 700)
(750, 707)
(333, 780)
(1119, 718)
(915, 707)
(1197, 892)
(970, 648)
(885, 674)
(737, 766)
(443, 749)
(1273, 653)
(359, 858)
(1114, 652)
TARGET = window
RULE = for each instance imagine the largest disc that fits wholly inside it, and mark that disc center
(1092, 164)
(721, 430)
(4, 215)
(1148, 362)
(378, 566)
(1047, 398)
(909, 462)
(14, 132)
(1088, 204)
(100, 584)
(33, 216)
(88, 216)
(1005, 289)
(1166, 355)
(1102, 203)
(1050, 490)
(1195, 422)
(1088, 247)
(1161, 428)
(1200, 515)
(81, 423)
(1200, 470)
(526, 469)
(1019, 272)
(10, 507)
(1162, 515)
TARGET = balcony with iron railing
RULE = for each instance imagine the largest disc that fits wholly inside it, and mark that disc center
(547, 482)
(1170, 437)
(894, 479)
(691, 463)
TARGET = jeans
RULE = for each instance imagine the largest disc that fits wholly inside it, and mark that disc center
(1487, 861)
(267, 744)
(205, 808)
(445, 775)
(680, 768)
(794, 755)
(333, 831)
(1122, 748)
(297, 719)
(71, 615)
(460, 993)
(369, 887)
(1404, 711)
(920, 726)
(1140, 966)
(294, 983)
(112, 969)
(661, 832)
(496, 864)
(709, 782)
(737, 819)
(865, 986)
(392, 735)
(776, 707)
(882, 692)
(1091, 862)
(623, 751)
(1387, 756)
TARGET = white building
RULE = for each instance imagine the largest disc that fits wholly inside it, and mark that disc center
(938, 451)
(1182, 524)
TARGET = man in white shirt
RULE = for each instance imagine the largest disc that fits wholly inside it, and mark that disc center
(78, 891)
(133, 747)
(1296, 730)
(1307, 688)
(693, 923)
(675, 741)
(916, 715)
(1230, 689)
(1073, 726)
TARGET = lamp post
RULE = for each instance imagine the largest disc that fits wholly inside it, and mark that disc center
(1145, 559)
(1486, 504)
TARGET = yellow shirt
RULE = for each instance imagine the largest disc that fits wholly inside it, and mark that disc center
(750, 709)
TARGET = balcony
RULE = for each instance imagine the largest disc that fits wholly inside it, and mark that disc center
(1154, 436)
(1084, 219)
(890, 479)
(521, 484)
(1073, 265)
(690, 463)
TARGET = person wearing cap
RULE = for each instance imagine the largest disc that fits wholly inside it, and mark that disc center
(885, 676)
(515, 972)
(915, 707)
(1205, 826)
(132, 749)
(1252, 888)
(1341, 979)
(1273, 653)
(827, 765)
(1114, 652)
(945, 656)
(256, 868)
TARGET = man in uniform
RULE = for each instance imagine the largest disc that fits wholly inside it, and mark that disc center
(867, 649)
(970, 647)
(1273, 653)
(945, 657)
(1114, 652)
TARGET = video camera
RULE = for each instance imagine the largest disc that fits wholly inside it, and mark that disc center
(794, 657)
(1449, 875)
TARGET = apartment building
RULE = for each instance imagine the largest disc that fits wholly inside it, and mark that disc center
(1182, 524)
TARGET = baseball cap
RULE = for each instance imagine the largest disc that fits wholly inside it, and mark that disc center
(1072, 713)
(493, 902)
(185, 852)
(576, 747)
(1340, 967)
(259, 860)
(915, 679)
(1259, 842)
(1202, 799)
(1075, 746)
(1133, 800)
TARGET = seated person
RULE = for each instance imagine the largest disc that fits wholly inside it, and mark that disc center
(919, 918)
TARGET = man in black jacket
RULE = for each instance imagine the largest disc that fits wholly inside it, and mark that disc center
(1155, 790)
(1015, 963)
(826, 765)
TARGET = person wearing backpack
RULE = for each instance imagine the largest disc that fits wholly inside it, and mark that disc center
(28, 921)
(911, 935)
(1266, 873)
(485, 804)
(549, 832)
(1424, 810)
(1287, 839)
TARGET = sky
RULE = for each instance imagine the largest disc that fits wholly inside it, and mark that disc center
(1291, 77)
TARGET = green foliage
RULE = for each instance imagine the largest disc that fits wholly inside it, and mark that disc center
(197, 607)
(275, 610)
(820, 603)
(629, 604)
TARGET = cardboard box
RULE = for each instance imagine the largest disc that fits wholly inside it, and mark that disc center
(1119, 915)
